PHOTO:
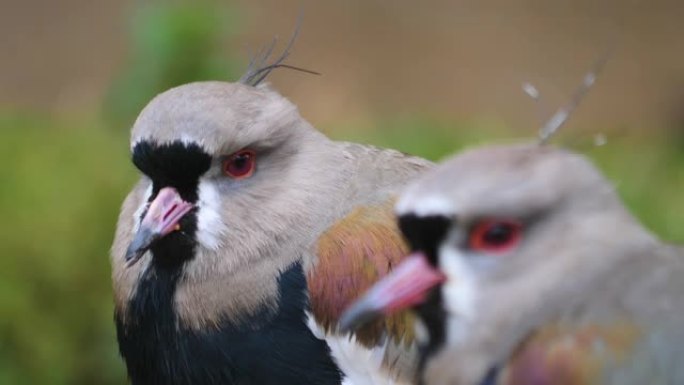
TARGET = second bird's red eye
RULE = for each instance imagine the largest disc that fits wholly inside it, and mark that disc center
(495, 235)
(240, 165)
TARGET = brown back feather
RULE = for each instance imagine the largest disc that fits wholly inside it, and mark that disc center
(352, 255)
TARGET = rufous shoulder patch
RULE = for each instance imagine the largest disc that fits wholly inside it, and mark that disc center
(353, 254)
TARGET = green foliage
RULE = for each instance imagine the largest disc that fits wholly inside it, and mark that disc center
(172, 43)
(648, 172)
(61, 191)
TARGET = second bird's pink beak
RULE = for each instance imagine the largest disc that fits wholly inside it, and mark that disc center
(161, 218)
(407, 285)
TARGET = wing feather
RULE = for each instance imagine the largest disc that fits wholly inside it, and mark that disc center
(352, 255)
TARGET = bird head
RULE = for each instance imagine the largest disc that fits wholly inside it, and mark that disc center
(224, 167)
(206, 152)
(502, 237)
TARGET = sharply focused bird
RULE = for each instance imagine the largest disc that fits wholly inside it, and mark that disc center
(527, 269)
(246, 236)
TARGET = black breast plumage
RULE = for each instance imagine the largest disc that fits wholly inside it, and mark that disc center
(279, 350)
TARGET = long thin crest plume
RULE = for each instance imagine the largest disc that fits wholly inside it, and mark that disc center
(259, 67)
(562, 114)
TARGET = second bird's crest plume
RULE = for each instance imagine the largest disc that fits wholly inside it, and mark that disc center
(551, 126)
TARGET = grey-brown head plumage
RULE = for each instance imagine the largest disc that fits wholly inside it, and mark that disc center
(580, 260)
(242, 215)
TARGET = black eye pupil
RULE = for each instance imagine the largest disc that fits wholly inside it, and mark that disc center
(240, 161)
(498, 234)
(495, 236)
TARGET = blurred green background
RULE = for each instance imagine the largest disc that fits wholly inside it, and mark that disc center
(427, 79)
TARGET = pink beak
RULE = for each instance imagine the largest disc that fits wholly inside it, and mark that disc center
(406, 286)
(161, 218)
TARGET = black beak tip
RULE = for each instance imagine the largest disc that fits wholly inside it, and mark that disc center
(142, 241)
(133, 255)
(357, 316)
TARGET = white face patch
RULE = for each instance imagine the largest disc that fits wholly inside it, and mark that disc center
(135, 142)
(186, 139)
(459, 291)
(137, 216)
(421, 331)
(210, 226)
(424, 205)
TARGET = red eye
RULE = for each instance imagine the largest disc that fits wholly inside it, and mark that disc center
(240, 165)
(495, 235)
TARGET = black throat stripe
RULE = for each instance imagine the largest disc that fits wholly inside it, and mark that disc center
(425, 234)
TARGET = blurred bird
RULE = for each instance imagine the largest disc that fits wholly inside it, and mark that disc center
(527, 269)
(246, 236)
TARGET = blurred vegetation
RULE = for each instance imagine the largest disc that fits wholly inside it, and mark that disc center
(64, 180)
(59, 201)
(172, 43)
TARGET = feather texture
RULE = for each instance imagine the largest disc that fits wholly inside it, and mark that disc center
(352, 255)
(562, 355)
